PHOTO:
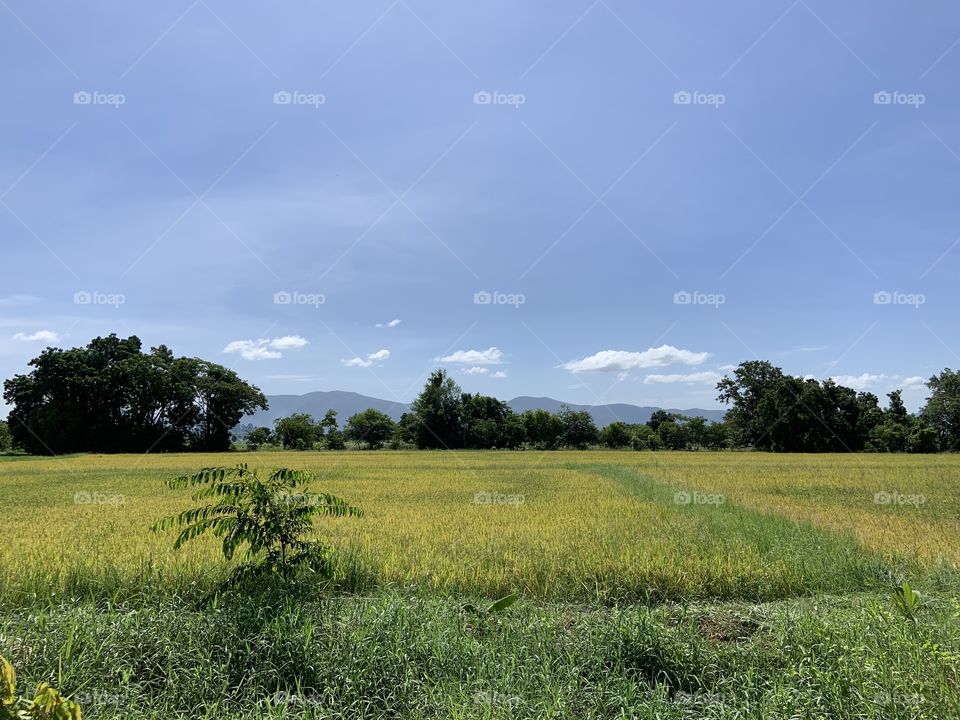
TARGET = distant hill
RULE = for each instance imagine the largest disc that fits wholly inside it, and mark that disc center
(349, 403)
(606, 414)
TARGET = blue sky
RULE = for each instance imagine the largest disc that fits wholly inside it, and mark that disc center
(597, 201)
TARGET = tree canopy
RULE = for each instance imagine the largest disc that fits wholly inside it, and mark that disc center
(110, 396)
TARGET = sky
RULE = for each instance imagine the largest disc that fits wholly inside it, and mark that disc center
(598, 201)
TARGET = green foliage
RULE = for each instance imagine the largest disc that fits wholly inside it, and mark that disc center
(645, 438)
(437, 413)
(907, 601)
(496, 607)
(110, 396)
(616, 435)
(258, 437)
(46, 704)
(370, 427)
(543, 429)
(489, 423)
(579, 430)
(942, 411)
(271, 517)
(6, 439)
(658, 417)
(297, 431)
(773, 411)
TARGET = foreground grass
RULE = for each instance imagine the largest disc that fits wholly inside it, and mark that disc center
(592, 527)
(406, 656)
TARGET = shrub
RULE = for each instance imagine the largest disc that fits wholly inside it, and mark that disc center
(271, 517)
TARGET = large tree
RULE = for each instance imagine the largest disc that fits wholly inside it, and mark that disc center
(579, 429)
(744, 392)
(489, 423)
(370, 427)
(110, 396)
(942, 410)
(437, 411)
(297, 431)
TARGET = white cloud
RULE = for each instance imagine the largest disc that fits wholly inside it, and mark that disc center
(392, 324)
(915, 381)
(622, 360)
(863, 381)
(252, 350)
(371, 359)
(474, 370)
(499, 374)
(709, 378)
(490, 356)
(288, 342)
(804, 349)
(38, 336)
(265, 349)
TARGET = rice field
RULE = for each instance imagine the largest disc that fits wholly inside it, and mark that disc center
(593, 526)
(671, 586)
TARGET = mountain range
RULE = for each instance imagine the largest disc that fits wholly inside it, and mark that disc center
(349, 403)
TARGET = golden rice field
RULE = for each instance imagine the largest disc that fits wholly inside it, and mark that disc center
(592, 525)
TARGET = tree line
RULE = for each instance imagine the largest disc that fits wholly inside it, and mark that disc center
(771, 410)
(111, 396)
(768, 410)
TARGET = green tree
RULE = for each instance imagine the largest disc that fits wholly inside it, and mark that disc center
(542, 428)
(579, 429)
(438, 413)
(258, 437)
(332, 436)
(370, 427)
(616, 435)
(110, 396)
(942, 411)
(657, 417)
(487, 422)
(297, 431)
(716, 436)
(673, 435)
(744, 392)
(644, 438)
(892, 432)
(6, 439)
(271, 517)
(696, 431)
